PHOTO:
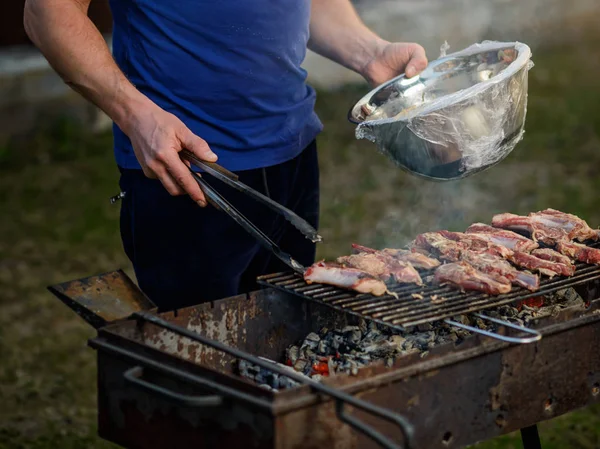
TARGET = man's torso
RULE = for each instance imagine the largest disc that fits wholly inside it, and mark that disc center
(230, 70)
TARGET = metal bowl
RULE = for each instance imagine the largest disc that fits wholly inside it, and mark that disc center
(463, 114)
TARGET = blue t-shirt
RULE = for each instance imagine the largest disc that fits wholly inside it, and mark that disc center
(229, 69)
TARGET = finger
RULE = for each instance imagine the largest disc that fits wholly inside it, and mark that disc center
(182, 176)
(170, 184)
(149, 173)
(417, 61)
(196, 145)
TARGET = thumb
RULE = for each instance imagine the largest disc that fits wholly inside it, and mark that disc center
(417, 62)
(196, 145)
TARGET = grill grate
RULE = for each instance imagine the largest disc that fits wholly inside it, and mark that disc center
(438, 302)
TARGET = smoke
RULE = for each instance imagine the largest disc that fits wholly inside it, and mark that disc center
(429, 206)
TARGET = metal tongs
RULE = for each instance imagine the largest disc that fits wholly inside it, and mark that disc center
(218, 201)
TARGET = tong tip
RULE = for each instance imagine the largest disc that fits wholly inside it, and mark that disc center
(315, 238)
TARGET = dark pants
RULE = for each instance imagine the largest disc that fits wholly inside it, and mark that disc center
(185, 255)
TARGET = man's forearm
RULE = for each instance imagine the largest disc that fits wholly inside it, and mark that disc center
(338, 33)
(76, 49)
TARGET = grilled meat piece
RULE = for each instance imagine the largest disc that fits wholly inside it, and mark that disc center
(542, 266)
(383, 266)
(417, 260)
(496, 266)
(475, 243)
(438, 245)
(551, 255)
(579, 252)
(335, 274)
(575, 227)
(503, 237)
(465, 277)
(539, 229)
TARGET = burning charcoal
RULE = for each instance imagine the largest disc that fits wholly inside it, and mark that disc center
(309, 354)
(273, 379)
(311, 341)
(424, 327)
(320, 368)
(260, 378)
(337, 341)
(412, 350)
(243, 368)
(331, 365)
(464, 319)
(323, 348)
(373, 335)
(286, 382)
(507, 311)
(363, 326)
(397, 341)
(301, 365)
(352, 334)
(292, 354)
(365, 359)
(423, 343)
(479, 323)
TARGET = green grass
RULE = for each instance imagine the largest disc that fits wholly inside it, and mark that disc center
(57, 224)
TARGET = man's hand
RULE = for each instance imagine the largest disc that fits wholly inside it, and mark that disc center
(393, 59)
(338, 33)
(157, 137)
(86, 64)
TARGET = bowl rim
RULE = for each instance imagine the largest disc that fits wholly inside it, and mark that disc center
(523, 58)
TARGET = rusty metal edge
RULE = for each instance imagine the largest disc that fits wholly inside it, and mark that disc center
(74, 301)
(447, 357)
(288, 401)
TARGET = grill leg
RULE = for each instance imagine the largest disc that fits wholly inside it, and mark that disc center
(531, 438)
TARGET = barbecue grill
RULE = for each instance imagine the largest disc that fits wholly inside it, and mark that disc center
(171, 380)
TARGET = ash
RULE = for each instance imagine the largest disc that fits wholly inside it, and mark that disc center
(331, 352)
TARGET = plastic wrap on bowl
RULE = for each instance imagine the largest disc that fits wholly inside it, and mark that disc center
(464, 113)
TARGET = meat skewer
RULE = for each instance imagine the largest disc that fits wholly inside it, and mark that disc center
(465, 277)
(383, 267)
(339, 276)
(417, 260)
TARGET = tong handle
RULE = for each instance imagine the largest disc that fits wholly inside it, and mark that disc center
(221, 203)
(212, 166)
(232, 180)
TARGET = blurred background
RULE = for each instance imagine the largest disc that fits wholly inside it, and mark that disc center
(57, 174)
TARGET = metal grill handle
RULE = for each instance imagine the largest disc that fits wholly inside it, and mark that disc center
(134, 377)
(338, 396)
(536, 336)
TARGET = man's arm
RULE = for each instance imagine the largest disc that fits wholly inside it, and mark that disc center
(338, 33)
(77, 51)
